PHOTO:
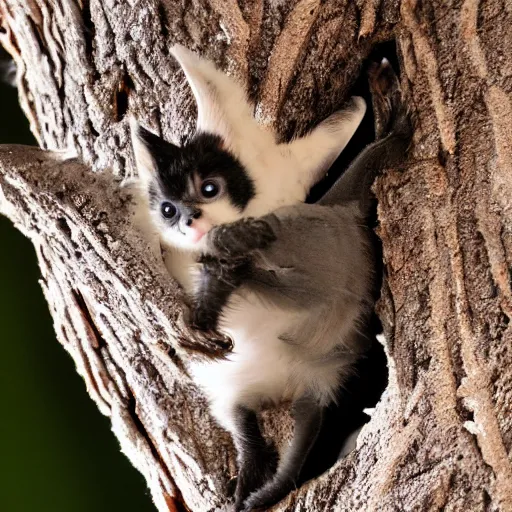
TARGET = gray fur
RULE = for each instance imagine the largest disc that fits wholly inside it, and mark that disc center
(316, 260)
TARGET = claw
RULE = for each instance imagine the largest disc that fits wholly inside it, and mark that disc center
(211, 342)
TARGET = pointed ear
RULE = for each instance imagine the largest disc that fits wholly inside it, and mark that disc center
(222, 105)
(149, 151)
(318, 150)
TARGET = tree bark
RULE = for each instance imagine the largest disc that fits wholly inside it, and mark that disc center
(441, 436)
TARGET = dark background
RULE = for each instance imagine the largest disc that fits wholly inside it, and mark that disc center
(57, 453)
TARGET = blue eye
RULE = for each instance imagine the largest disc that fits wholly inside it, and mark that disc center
(168, 210)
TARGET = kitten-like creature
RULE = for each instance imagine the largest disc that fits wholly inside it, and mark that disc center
(305, 274)
(231, 168)
(295, 317)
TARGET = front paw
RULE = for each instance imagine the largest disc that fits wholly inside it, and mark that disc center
(271, 493)
(228, 270)
(218, 280)
(240, 238)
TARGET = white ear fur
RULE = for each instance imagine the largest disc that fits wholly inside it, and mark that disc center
(317, 151)
(222, 104)
(146, 166)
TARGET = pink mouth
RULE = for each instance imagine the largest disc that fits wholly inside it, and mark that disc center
(196, 234)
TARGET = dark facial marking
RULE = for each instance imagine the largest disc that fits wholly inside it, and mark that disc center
(204, 156)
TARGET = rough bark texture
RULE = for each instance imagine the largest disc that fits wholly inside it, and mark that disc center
(441, 437)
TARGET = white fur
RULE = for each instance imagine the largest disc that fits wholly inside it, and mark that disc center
(262, 368)
(284, 173)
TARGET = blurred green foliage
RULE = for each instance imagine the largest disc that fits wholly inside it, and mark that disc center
(57, 453)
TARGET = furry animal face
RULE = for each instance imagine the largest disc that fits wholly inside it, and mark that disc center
(232, 167)
(194, 187)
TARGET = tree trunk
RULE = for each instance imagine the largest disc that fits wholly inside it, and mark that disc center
(441, 436)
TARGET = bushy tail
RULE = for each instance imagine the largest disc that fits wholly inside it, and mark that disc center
(393, 118)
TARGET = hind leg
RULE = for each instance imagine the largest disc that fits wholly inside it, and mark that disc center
(257, 458)
(307, 413)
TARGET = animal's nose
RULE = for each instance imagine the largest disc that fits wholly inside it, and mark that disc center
(194, 215)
